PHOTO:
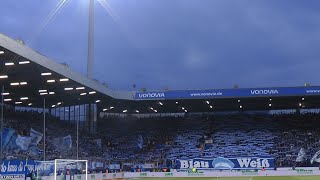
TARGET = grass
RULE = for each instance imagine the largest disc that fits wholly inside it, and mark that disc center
(240, 178)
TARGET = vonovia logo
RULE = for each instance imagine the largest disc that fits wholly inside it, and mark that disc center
(143, 174)
(264, 91)
(168, 174)
(304, 171)
(195, 174)
(222, 163)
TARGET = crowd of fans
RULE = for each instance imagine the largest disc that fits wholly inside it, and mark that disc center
(163, 139)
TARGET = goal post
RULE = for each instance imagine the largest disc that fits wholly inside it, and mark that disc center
(71, 164)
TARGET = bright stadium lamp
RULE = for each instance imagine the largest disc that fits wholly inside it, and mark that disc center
(3, 76)
(270, 105)
(1, 52)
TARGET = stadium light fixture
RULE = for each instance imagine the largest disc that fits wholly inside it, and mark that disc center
(24, 62)
(97, 101)
(207, 102)
(210, 107)
(7, 100)
(270, 105)
(51, 93)
(59, 103)
(79, 88)
(42, 90)
(177, 102)
(240, 106)
(43, 93)
(239, 100)
(111, 107)
(46, 74)
(53, 106)
(302, 99)
(182, 108)
(300, 104)
(24, 98)
(92, 92)
(68, 89)
(3, 76)
(1, 52)
(64, 80)
(18, 102)
(82, 94)
(151, 108)
(125, 111)
(9, 64)
(14, 84)
(51, 81)
(155, 111)
(23, 83)
(30, 104)
(104, 109)
(185, 110)
(161, 103)
(270, 99)
(5, 94)
(137, 111)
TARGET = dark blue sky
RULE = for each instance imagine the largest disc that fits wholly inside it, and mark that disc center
(179, 44)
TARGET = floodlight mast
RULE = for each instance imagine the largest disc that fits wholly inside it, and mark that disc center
(90, 40)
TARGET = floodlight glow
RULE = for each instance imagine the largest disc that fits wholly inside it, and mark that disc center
(270, 105)
(59, 103)
(9, 64)
(51, 80)
(5, 94)
(24, 98)
(208, 102)
(92, 92)
(24, 62)
(14, 84)
(177, 102)
(1, 52)
(42, 90)
(51, 93)
(211, 107)
(155, 111)
(182, 108)
(44, 93)
(68, 89)
(23, 83)
(240, 107)
(151, 108)
(161, 103)
(185, 111)
(82, 94)
(3, 76)
(104, 109)
(111, 107)
(97, 101)
(46, 74)
(302, 99)
(53, 106)
(300, 104)
(63, 80)
(79, 88)
(239, 100)
(137, 111)
(7, 100)
(125, 111)
(18, 102)
(29, 104)
(270, 99)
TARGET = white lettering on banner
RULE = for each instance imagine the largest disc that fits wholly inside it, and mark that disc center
(152, 95)
(259, 163)
(184, 164)
(265, 91)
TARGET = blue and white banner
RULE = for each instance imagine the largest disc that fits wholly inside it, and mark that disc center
(7, 135)
(63, 143)
(220, 163)
(228, 93)
(36, 137)
(23, 142)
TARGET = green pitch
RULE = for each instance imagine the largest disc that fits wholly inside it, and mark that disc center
(240, 178)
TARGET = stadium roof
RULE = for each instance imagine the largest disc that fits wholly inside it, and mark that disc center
(28, 77)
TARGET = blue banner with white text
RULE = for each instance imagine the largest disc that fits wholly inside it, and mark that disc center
(228, 93)
(220, 163)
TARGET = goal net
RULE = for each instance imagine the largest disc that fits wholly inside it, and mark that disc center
(68, 169)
